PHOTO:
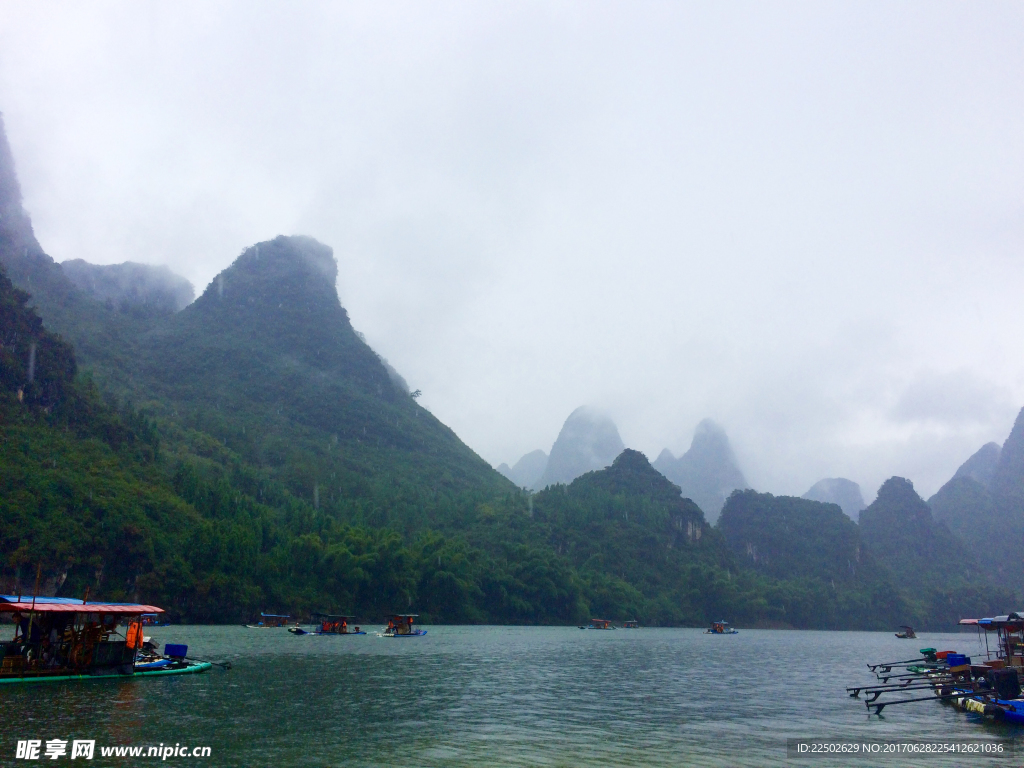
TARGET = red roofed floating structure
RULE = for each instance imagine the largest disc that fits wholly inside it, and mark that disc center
(23, 603)
(61, 639)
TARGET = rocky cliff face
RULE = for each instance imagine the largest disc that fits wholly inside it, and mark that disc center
(708, 472)
(838, 490)
(589, 440)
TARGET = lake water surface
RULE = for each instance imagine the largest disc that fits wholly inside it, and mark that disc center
(500, 696)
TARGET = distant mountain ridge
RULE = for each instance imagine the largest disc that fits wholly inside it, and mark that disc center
(708, 472)
(267, 360)
(983, 503)
(588, 440)
(981, 466)
(528, 470)
(944, 577)
(838, 490)
(896, 566)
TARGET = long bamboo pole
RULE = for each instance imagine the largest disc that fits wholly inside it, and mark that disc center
(35, 591)
(32, 613)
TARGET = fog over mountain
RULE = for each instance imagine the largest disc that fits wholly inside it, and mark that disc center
(528, 470)
(801, 218)
(139, 286)
(838, 490)
(588, 440)
(708, 472)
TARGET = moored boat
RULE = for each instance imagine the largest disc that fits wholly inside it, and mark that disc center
(328, 624)
(991, 688)
(59, 639)
(400, 625)
(270, 621)
(721, 628)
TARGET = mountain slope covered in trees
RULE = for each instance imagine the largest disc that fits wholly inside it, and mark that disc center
(983, 504)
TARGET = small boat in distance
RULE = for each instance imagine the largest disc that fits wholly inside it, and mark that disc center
(907, 633)
(721, 628)
(327, 624)
(631, 624)
(269, 621)
(599, 624)
(400, 625)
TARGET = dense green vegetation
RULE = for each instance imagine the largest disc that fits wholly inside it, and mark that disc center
(897, 566)
(938, 574)
(983, 505)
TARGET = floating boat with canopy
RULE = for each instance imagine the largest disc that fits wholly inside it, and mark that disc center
(907, 633)
(599, 624)
(400, 625)
(631, 624)
(991, 688)
(721, 628)
(328, 624)
(60, 639)
(270, 621)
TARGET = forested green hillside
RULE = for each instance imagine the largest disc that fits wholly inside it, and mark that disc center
(896, 566)
(983, 504)
(940, 576)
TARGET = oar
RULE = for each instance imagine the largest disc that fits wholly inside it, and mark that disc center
(891, 664)
(904, 686)
(930, 670)
(879, 706)
(875, 694)
(911, 676)
(226, 665)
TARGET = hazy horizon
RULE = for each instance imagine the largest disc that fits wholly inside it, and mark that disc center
(803, 221)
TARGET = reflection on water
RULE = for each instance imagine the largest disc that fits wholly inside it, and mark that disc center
(499, 696)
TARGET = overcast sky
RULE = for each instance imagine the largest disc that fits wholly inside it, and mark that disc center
(804, 220)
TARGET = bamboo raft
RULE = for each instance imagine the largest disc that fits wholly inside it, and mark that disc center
(991, 688)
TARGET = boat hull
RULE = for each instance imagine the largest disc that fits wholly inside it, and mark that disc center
(325, 634)
(414, 633)
(191, 669)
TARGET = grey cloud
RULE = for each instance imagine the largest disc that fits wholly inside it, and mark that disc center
(952, 399)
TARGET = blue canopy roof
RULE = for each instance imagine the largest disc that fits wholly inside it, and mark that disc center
(1014, 617)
